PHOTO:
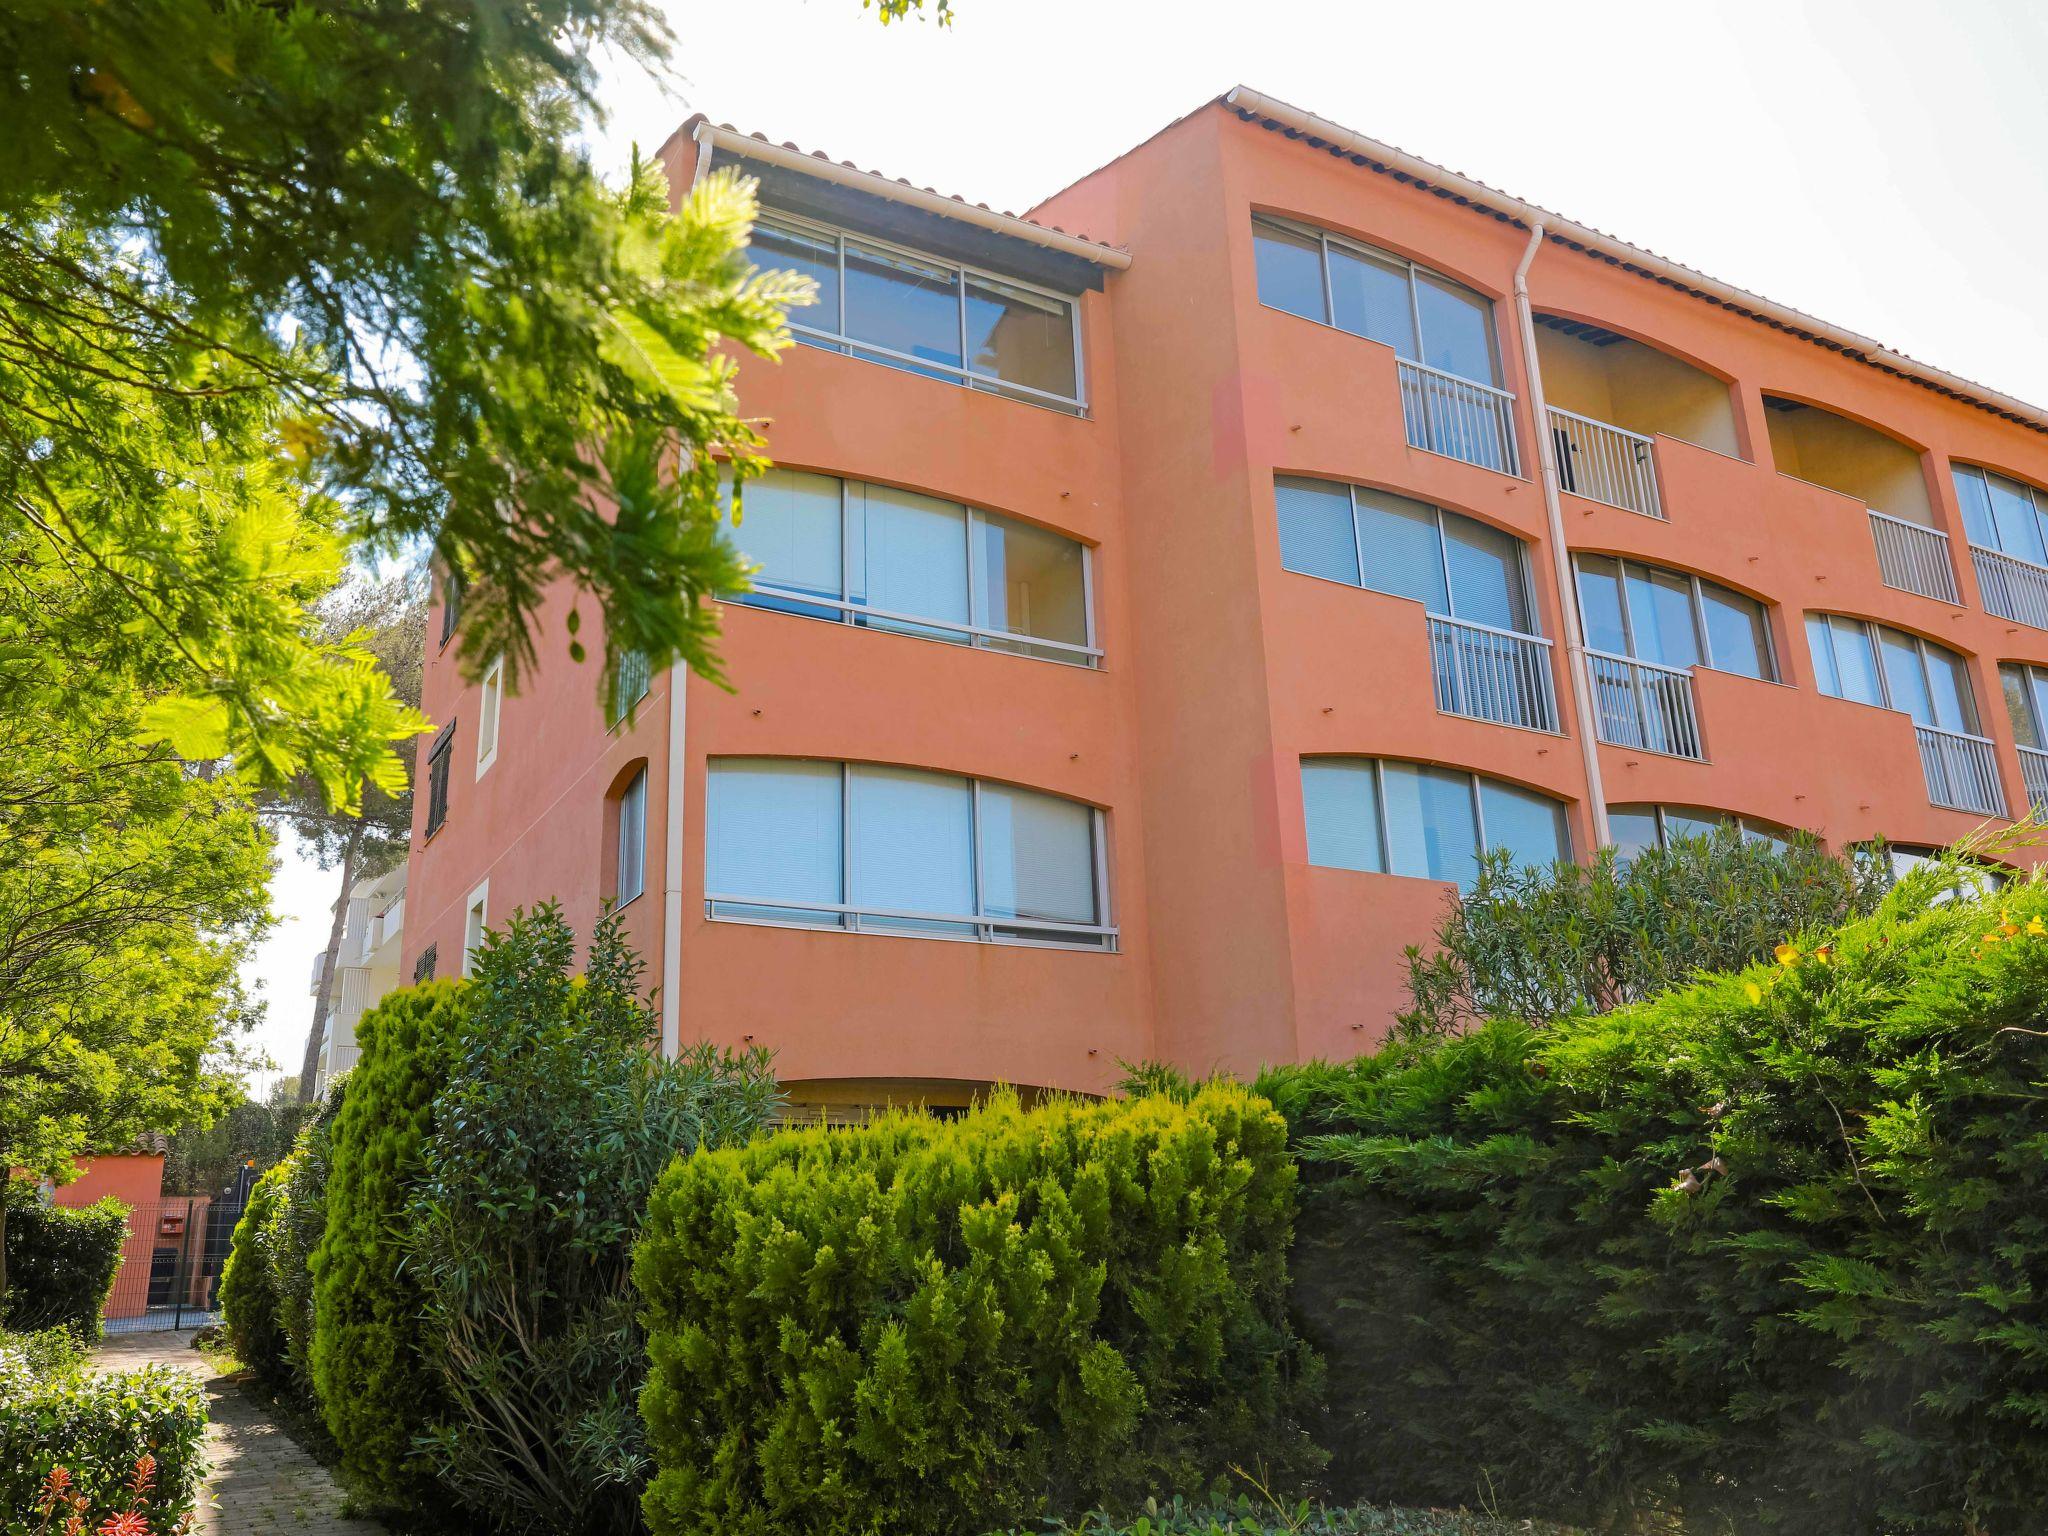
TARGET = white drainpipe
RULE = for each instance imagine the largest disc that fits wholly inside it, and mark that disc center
(1577, 676)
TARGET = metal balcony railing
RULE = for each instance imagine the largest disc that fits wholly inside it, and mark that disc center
(1606, 463)
(1459, 418)
(1645, 704)
(2034, 771)
(1492, 674)
(2013, 588)
(1962, 770)
(1913, 557)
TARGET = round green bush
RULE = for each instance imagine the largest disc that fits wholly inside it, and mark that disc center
(937, 1326)
(375, 1390)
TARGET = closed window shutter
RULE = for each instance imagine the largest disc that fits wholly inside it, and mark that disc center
(773, 833)
(912, 842)
(1037, 857)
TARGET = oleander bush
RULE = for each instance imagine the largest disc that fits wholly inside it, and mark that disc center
(248, 1288)
(1264, 1517)
(937, 1326)
(1767, 1253)
(61, 1264)
(376, 1391)
(70, 1431)
(556, 1119)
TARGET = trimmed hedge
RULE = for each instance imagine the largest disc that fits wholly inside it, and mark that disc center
(375, 1390)
(933, 1326)
(1247, 1517)
(95, 1425)
(1770, 1251)
(295, 1232)
(248, 1290)
(61, 1264)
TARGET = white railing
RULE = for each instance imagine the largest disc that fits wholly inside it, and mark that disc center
(1492, 674)
(2034, 771)
(1645, 704)
(976, 635)
(1605, 463)
(2013, 589)
(1459, 418)
(1913, 557)
(771, 912)
(1962, 770)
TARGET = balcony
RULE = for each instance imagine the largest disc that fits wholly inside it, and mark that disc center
(1610, 398)
(1604, 463)
(1831, 451)
(1913, 557)
(1484, 673)
(1645, 705)
(1458, 418)
(2034, 772)
(1961, 770)
(2012, 588)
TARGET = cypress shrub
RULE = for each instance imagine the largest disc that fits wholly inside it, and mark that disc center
(939, 1326)
(1769, 1253)
(369, 1371)
(248, 1289)
(295, 1232)
(61, 1264)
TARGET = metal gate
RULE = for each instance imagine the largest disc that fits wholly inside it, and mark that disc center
(172, 1260)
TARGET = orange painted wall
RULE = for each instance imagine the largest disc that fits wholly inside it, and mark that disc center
(136, 1180)
(1221, 668)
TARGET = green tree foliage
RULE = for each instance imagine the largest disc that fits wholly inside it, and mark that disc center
(1539, 942)
(203, 1158)
(57, 1412)
(377, 220)
(930, 1326)
(547, 1140)
(374, 1388)
(62, 1262)
(1765, 1252)
(248, 1289)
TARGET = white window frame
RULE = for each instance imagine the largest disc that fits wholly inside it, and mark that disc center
(1443, 557)
(986, 926)
(1875, 631)
(979, 637)
(1386, 833)
(619, 899)
(1701, 636)
(479, 907)
(851, 346)
(1409, 266)
(2035, 495)
(490, 715)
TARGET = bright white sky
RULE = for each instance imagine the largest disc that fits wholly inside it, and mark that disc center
(1878, 163)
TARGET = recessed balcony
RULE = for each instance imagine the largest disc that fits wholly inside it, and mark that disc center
(1645, 705)
(1609, 398)
(1821, 448)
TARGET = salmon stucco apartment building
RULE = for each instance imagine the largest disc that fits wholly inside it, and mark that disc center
(1155, 622)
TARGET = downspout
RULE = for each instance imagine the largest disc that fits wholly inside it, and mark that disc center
(672, 857)
(1577, 677)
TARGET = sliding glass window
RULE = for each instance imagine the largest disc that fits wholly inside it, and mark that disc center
(945, 321)
(915, 565)
(878, 849)
(1424, 316)
(1634, 828)
(1876, 664)
(1455, 566)
(2003, 514)
(2026, 703)
(1395, 818)
(1646, 613)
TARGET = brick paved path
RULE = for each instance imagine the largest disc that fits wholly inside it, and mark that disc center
(258, 1482)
